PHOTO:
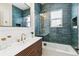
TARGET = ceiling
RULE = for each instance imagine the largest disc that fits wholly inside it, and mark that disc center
(22, 6)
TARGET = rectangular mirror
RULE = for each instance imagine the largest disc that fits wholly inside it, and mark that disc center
(20, 15)
(14, 15)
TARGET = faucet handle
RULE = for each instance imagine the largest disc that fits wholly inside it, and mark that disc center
(23, 37)
(3, 39)
(9, 36)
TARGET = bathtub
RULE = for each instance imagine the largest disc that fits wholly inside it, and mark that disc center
(55, 49)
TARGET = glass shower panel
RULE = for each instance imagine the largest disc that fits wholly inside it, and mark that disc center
(74, 26)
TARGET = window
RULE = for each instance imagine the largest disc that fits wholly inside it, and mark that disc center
(27, 20)
(56, 18)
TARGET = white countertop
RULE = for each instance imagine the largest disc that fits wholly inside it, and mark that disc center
(15, 48)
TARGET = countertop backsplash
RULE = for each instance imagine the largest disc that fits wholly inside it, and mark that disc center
(8, 35)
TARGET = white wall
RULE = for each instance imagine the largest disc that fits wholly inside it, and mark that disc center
(5, 14)
(32, 11)
(14, 32)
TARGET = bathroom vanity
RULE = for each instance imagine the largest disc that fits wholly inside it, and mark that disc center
(33, 50)
(16, 32)
(30, 47)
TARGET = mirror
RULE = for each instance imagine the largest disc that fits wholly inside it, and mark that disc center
(20, 15)
(14, 15)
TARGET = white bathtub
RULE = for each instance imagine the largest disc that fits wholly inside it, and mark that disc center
(55, 49)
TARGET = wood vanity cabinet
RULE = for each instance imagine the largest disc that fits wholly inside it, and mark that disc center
(33, 50)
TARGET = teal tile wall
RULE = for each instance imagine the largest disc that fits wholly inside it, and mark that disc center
(37, 19)
(26, 12)
(18, 16)
(65, 34)
(74, 38)
(59, 34)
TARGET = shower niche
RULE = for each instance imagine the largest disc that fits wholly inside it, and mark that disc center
(74, 22)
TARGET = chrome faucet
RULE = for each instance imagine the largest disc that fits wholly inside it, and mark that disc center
(23, 37)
